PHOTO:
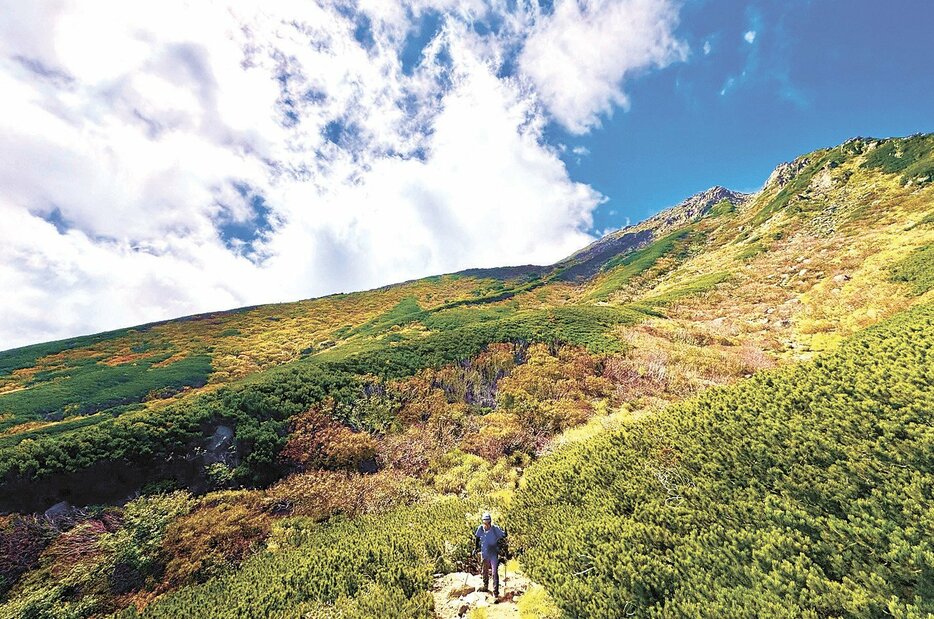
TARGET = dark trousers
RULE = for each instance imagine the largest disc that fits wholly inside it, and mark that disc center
(490, 564)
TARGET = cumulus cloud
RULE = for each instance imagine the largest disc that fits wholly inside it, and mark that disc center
(163, 160)
(579, 56)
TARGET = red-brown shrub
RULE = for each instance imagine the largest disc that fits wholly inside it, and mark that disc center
(219, 534)
(319, 442)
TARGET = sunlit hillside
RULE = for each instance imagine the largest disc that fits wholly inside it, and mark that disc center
(733, 400)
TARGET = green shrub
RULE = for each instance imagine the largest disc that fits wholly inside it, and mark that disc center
(371, 566)
(801, 492)
(135, 547)
(916, 269)
(912, 157)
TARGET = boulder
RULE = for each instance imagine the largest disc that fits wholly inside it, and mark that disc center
(59, 510)
(221, 447)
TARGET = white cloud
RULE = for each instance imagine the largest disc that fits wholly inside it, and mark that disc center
(580, 153)
(707, 48)
(578, 57)
(163, 160)
(750, 36)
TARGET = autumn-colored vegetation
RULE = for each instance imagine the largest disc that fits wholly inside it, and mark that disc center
(815, 479)
(317, 441)
(369, 429)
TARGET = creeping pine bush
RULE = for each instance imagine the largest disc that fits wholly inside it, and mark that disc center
(916, 269)
(802, 492)
(371, 566)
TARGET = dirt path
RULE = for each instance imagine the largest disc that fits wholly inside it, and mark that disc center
(457, 595)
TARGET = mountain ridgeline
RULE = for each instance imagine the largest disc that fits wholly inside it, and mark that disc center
(725, 410)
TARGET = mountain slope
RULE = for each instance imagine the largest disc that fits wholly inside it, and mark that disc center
(799, 480)
(794, 267)
(266, 420)
(684, 513)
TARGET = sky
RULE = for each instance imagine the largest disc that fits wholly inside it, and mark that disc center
(164, 159)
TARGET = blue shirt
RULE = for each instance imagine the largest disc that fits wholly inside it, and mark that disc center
(489, 541)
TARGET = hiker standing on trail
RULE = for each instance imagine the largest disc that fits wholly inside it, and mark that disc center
(486, 541)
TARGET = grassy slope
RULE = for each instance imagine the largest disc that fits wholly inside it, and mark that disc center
(791, 272)
(803, 492)
(791, 484)
(763, 275)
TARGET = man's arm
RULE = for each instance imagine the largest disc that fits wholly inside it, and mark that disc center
(476, 541)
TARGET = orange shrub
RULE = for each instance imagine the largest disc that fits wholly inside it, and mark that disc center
(500, 434)
(319, 442)
(569, 373)
(408, 452)
(420, 399)
(321, 494)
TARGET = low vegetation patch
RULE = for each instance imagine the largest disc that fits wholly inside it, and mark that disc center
(692, 288)
(620, 270)
(917, 270)
(800, 492)
(912, 158)
(90, 387)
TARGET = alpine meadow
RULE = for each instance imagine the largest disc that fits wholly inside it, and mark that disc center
(726, 410)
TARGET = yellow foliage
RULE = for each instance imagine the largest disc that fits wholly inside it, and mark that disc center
(535, 603)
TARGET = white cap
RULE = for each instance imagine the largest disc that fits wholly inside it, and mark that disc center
(486, 516)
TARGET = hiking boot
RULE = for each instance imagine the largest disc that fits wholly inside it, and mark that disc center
(484, 589)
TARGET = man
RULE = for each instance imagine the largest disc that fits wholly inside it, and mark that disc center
(486, 541)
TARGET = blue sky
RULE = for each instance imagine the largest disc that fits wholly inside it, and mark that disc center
(816, 74)
(172, 158)
(763, 83)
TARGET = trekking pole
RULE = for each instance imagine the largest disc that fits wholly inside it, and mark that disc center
(505, 577)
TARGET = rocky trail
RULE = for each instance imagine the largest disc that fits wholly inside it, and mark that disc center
(458, 595)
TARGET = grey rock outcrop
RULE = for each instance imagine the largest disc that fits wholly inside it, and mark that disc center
(784, 173)
(692, 208)
(221, 447)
